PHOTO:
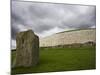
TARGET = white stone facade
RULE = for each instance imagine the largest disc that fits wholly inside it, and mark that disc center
(78, 36)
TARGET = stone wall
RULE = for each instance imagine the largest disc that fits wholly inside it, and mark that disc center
(64, 38)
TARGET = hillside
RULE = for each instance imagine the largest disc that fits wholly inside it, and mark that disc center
(69, 37)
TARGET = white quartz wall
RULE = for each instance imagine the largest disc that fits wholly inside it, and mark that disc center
(80, 36)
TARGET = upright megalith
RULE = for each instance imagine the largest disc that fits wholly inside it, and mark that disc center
(27, 49)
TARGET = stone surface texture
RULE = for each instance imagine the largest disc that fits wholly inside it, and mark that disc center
(27, 49)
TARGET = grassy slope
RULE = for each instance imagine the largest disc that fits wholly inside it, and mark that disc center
(76, 30)
(62, 59)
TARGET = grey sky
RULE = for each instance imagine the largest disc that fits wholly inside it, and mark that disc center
(46, 18)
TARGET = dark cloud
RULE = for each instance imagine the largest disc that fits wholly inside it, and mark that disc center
(46, 17)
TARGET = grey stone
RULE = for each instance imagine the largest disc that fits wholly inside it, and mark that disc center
(27, 49)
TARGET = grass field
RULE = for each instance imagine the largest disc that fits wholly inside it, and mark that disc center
(61, 59)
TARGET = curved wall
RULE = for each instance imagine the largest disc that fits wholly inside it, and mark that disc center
(70, 37)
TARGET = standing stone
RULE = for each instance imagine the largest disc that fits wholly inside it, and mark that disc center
(27, 49)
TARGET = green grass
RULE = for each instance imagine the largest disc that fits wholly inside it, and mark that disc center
(61, 59)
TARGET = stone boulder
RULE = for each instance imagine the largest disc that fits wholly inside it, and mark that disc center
(27, 49)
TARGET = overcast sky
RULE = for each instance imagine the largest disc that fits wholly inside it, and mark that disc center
(46, 18)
